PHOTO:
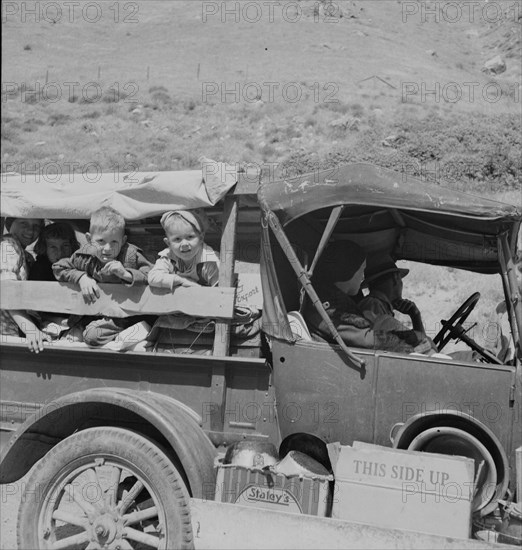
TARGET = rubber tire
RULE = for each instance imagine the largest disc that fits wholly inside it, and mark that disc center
(161, 475)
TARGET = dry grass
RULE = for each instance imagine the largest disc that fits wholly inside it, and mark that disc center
(165, 59)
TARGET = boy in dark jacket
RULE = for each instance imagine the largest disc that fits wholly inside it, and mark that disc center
(106, 258)
(56, 241)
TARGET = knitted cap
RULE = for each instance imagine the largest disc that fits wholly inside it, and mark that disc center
(339, 262)
(196, 218)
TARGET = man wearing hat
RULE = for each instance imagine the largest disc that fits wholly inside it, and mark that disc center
(337, 280)
(384, 281)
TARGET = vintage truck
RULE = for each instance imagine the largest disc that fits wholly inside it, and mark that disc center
(123, 444)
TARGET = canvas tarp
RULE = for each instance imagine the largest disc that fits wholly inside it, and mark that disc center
(136, 195)
(369, 185)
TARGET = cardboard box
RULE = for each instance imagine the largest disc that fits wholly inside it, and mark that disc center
(249, 291)
(412, 490)
(262, 489)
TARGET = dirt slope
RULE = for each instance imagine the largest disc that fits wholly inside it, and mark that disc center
(399, 42)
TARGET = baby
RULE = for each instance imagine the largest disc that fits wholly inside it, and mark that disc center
(187, 261)
(106, 258)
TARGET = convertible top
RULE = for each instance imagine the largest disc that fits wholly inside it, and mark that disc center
(385, 212)
(135, 195)
(375, 187)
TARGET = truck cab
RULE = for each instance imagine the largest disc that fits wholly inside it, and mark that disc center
(122, 440)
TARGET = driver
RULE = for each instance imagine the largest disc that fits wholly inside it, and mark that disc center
(337, 280)
(384, 282)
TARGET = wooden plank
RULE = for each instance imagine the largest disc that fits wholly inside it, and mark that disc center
(247, 184)
(226, 269)
(218, 397)
(118, 300)
(218, 525)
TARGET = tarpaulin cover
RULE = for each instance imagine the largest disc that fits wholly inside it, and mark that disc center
(365, 184)
(135, 196)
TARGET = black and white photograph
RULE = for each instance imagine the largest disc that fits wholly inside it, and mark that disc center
(261, 274)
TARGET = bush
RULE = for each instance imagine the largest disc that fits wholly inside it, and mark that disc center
(58, 118)
(471, 153)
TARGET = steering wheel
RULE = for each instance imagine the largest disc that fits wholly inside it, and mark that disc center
(453, 329)
(446, 333)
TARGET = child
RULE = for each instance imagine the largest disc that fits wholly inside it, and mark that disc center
(55, 242)
(106, 258)
(187, 261)
(14, 262)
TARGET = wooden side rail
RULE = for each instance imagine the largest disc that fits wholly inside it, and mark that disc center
(118, 300)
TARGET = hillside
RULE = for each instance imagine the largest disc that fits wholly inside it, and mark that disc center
(307, 84)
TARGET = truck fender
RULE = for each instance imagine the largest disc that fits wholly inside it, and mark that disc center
(164, 419)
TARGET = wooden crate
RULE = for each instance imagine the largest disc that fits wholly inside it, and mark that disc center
(400, 489)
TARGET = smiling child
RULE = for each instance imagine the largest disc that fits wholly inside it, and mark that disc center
(188, 260)
(106, 258)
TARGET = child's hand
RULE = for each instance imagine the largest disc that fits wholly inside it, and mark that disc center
(90, 289)
(189, 282)
(424, 347)
(36, 339)
(114, 267)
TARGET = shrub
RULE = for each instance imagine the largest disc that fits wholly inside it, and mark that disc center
(112, 96)
(32, 125)
(92, 114)
(189, 105)
(58, 118)
(153, 89)
(161, 98)
(334, 107)
(472, 153)
(8, 132)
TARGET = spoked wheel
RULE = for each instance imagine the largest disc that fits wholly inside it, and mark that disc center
(105, 488)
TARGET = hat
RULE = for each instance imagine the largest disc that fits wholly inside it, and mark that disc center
(197, 218)
(339, 262)
(385, 266)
